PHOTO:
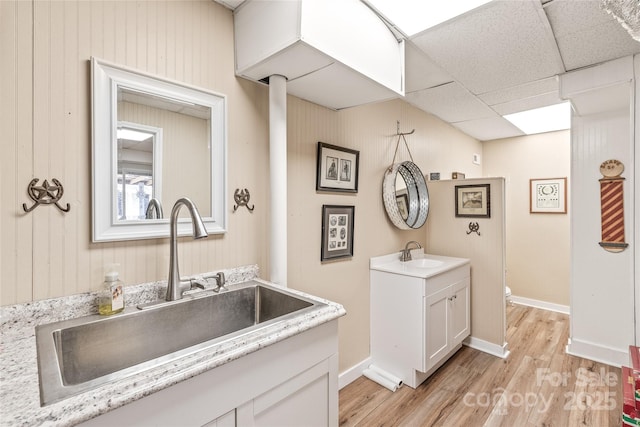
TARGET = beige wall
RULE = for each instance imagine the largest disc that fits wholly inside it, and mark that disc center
(538, 253)
(46, 122)
(370, 129)
(45, 114)
(447, 235)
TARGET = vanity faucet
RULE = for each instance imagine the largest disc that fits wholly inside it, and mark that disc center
(175, 286)
(154, 209)
(405, 254)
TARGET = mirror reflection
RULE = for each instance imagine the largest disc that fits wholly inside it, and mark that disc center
(157, 138)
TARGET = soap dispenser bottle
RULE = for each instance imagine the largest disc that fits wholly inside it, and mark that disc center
(111, 298)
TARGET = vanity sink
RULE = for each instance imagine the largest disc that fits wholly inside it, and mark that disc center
(421, 265)
(80, 354)
(425, 263)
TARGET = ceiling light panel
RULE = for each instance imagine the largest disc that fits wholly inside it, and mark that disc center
(544, 119)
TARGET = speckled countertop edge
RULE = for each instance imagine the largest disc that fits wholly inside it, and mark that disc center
(19, 392)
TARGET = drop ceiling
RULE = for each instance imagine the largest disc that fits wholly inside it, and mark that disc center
(504, 57)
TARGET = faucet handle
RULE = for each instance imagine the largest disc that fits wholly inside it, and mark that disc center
(198, 283)
(220, 281)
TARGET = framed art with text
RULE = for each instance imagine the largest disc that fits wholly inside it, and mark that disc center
(548, 195)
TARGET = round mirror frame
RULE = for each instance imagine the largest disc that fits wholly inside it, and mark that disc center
(417, 194)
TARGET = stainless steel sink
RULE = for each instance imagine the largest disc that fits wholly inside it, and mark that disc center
(80, 354)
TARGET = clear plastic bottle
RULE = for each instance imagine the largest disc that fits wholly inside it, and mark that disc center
(111, 298)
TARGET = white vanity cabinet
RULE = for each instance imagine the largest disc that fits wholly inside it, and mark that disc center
(419, 318)
(292, 382)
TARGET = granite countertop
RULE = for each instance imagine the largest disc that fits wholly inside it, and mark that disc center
(19, 390)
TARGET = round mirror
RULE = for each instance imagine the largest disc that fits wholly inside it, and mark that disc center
(405, 195)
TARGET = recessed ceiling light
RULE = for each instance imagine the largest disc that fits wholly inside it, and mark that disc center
(544, 119)
(414, 16)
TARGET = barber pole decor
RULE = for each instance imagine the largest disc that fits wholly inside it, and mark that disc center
(611, 205)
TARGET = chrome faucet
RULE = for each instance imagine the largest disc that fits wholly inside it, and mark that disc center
(175, 286)
(154, 208)
(405, 254)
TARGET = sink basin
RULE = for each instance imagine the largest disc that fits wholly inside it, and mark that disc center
(80, 354)
(424, 263)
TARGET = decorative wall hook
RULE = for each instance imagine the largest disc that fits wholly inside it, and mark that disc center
(474, 227)
(45, 194)
(242, 199)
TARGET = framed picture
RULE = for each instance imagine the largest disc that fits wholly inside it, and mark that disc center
(337, 169)
(473, 201)
(402, 200)
(548, 195)
(457, 175)
(337, 232)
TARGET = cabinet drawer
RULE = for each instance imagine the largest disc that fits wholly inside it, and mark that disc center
(437, 283)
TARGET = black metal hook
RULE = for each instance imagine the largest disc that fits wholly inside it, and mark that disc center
(474, 227)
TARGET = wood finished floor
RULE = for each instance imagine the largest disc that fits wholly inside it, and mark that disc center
(537, 385)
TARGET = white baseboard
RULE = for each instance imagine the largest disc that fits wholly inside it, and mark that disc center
(500, 351)
(540, 304)
(353, 373)
(598, 353)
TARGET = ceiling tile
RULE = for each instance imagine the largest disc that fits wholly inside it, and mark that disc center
(420, 70)
(338, 86)
(504, 44)
(526, 90)
(488, 129)
(451, 102)
(529, 103)
(588, 35)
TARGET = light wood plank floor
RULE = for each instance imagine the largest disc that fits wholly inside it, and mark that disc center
(538, 385)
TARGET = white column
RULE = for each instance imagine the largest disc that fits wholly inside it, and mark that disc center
(278, 168)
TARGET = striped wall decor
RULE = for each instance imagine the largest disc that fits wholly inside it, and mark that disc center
(612, 207)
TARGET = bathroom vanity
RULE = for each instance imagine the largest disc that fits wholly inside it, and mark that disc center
(419, 313)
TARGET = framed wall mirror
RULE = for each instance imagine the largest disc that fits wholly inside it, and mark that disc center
(153, 141)
(405, 195)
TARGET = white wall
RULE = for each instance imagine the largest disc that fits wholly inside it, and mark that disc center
(602, 283)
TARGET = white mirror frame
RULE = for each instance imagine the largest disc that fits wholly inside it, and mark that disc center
(106, 78)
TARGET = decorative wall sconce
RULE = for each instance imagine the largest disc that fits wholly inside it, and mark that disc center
(45, 194)
(242, 199)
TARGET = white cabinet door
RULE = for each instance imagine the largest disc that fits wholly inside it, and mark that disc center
(301, 401)
(436, 335)
(459, 312)
(227, 420)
